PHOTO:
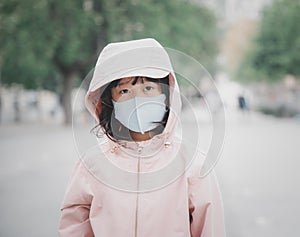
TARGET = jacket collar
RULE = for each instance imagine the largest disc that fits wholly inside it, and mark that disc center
(143, 149)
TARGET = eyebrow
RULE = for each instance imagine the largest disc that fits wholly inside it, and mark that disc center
(134, 79)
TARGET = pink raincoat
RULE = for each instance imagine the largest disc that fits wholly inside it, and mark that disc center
(149, 188)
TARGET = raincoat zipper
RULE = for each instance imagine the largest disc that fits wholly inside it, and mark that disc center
(137, 193)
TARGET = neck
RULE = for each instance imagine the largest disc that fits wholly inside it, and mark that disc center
(139, 137)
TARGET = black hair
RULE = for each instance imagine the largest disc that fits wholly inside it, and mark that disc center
(108, 123)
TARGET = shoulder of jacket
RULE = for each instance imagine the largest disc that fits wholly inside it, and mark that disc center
(80, 169)
(81, 164)
(194, 169)
(96, 151)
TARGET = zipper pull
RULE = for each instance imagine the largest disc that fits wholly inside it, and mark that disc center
(139, 150)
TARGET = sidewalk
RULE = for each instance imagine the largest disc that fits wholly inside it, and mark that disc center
(36, 162)
(259, 176)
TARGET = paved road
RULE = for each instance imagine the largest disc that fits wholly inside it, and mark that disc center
(258, 175)
(260, 178)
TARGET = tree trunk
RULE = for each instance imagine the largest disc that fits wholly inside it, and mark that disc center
(16, 103)
(66, 98)
(17, 118)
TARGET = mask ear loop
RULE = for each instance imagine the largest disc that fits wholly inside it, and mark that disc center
(102, 102)
(99, 107)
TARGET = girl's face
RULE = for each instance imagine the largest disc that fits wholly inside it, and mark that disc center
(131, 87)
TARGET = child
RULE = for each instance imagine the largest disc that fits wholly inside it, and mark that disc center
(140, 181)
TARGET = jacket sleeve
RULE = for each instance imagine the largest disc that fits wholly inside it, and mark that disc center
(75, 209)
(206, 207)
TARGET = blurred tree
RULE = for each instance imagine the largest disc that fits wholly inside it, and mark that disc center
(276, 48)
(48, 43)
(177, 24)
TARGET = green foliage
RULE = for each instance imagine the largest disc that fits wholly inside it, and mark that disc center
(44, 41)
(176, 24)
(18, 31)
(276, 48)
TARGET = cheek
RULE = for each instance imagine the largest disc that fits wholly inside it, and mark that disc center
(157, 92)
(159, 88)
(114, 95)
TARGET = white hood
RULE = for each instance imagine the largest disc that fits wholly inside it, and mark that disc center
(145, 57)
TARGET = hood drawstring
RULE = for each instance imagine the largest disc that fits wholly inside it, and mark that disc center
(114, 149)
(167, 144)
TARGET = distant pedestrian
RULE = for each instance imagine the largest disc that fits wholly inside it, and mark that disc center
(134, 97)
(242, 103)
(16, 105)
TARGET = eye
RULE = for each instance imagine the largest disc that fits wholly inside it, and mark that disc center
(148, 88)
(124, 91)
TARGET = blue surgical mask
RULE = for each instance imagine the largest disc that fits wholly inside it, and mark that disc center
(141, 114)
